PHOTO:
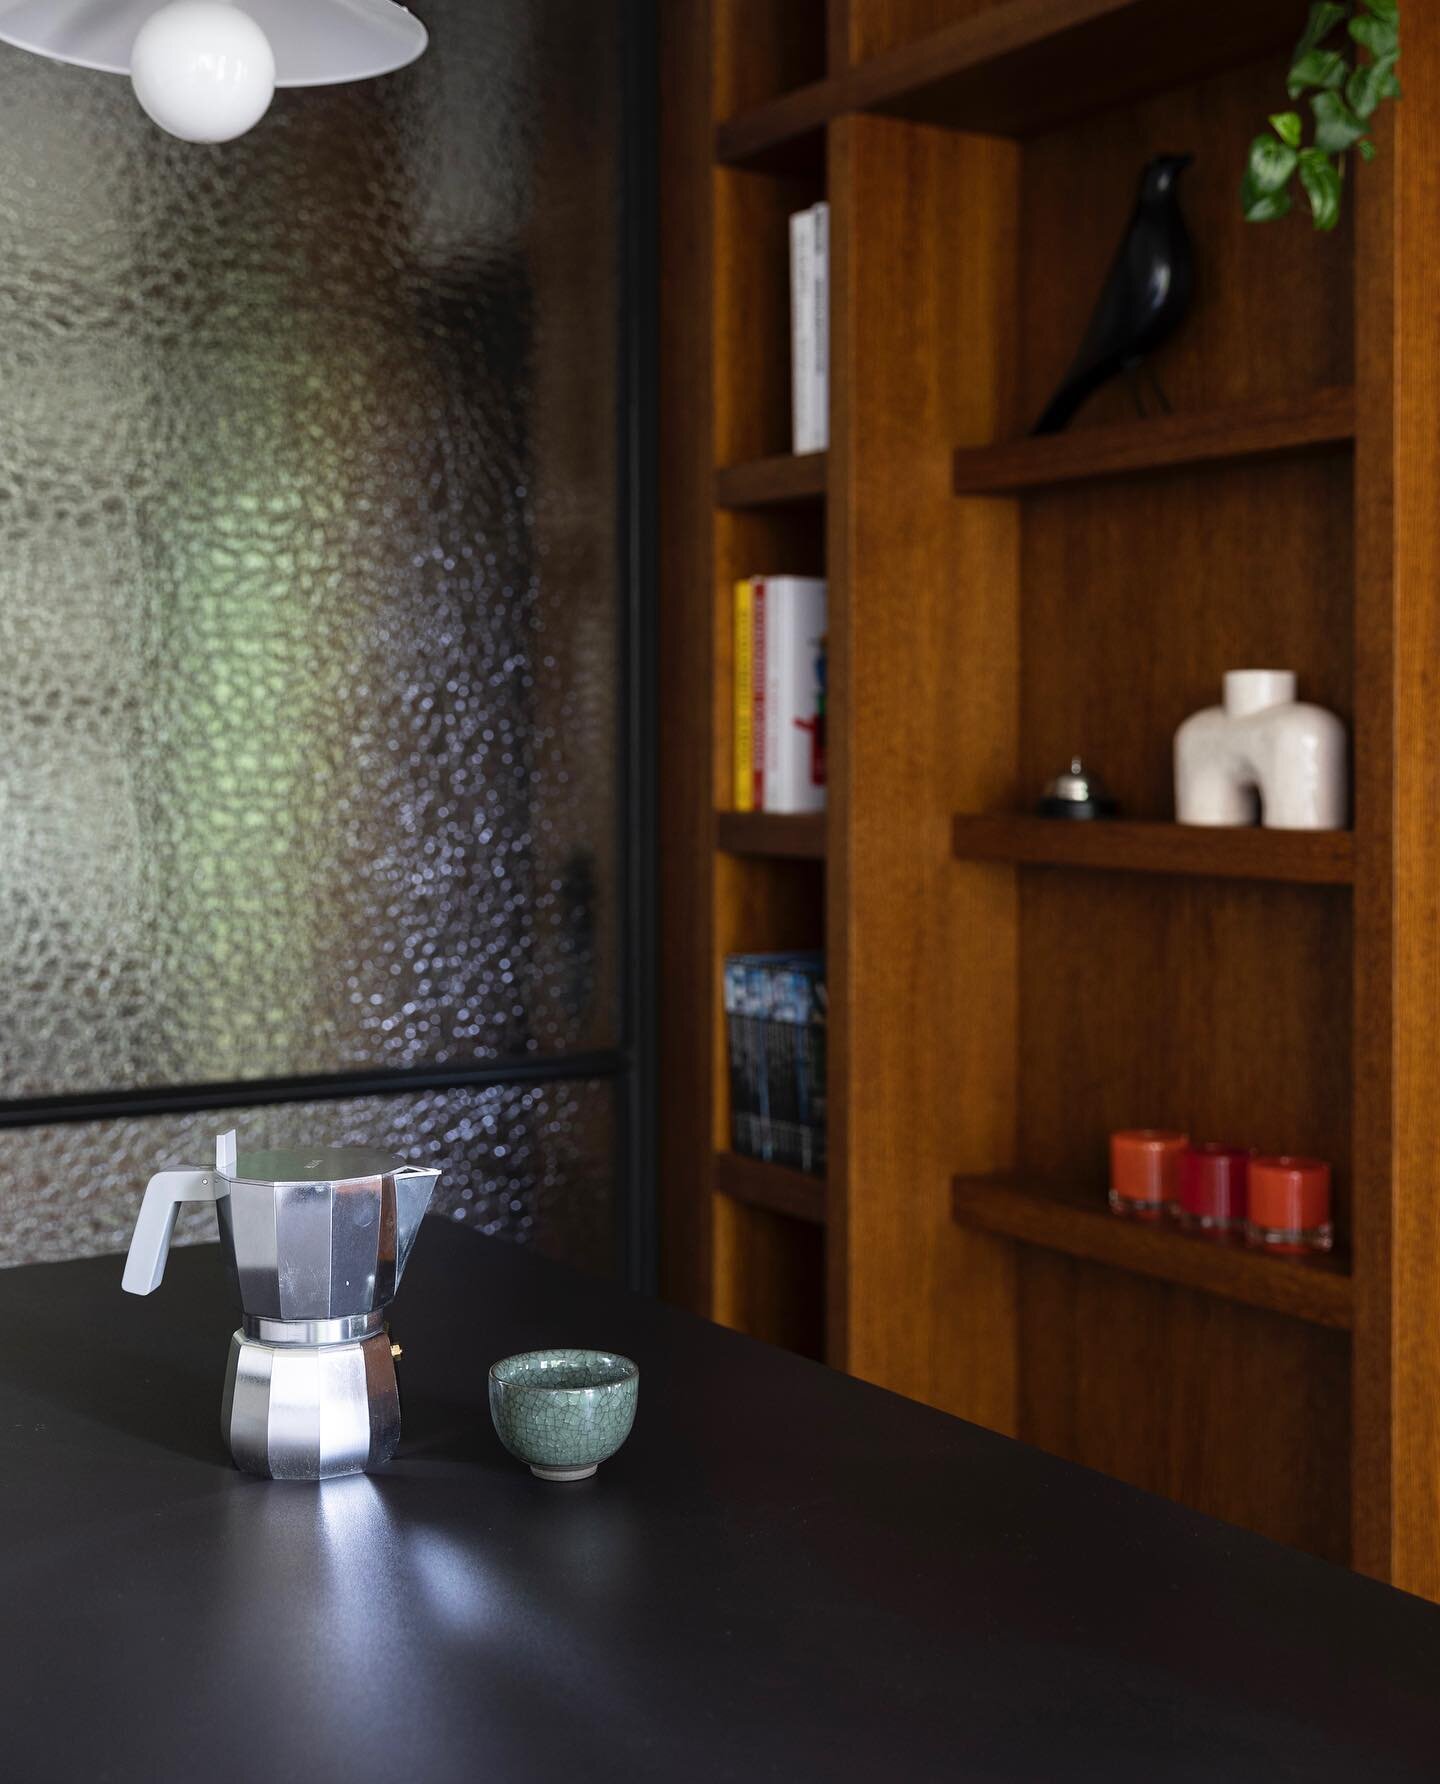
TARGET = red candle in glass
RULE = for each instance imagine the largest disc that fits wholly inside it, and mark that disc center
(1290, 1205)
(1214, 1182)
(1145, 1171)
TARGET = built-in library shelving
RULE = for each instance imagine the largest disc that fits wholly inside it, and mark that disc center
(777, 1188)
(1318, 421)
(799, 835)
(1302, 857)
(787, 477)
(1076, 1223)
(1005, 990)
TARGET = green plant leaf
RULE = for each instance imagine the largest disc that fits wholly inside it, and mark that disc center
(1317, 68)
(1367, 149)
(1324, 17)
(1375, 35)
(1271, 165)
(1265, 207)
(1366, 86)
(1321, 180)
(1384, 9)
(1336, 126)
(1288, 127)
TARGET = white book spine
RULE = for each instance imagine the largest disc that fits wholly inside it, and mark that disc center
(793, 711)
(820, 328)
(802, 330)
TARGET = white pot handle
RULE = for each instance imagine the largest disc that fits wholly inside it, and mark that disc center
(150, 1243)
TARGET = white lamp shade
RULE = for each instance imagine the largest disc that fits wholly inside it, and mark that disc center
(317, 43)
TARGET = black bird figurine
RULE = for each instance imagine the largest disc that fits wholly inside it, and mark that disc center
(1146, 294)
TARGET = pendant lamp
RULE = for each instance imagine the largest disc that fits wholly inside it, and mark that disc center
(206, 70)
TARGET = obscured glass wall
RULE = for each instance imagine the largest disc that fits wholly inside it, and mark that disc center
(309, 617)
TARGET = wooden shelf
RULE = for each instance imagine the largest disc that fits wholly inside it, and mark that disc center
(800, 835)
(1304, 857)
(1319, 421)
(774, 1187)
(1079, 1224)
(763, 482)
(1016, 70)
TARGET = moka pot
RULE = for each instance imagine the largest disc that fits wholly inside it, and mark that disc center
(316, 1240)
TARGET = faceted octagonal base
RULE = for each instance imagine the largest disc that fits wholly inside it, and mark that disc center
(310, 1411)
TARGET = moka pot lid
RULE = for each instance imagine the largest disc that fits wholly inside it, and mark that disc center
(316, 1164)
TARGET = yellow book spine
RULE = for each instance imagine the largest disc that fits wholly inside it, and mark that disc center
(744, 729)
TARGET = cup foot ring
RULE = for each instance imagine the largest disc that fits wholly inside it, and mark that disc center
(563, 1473)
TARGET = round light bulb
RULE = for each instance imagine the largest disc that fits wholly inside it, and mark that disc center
(203, 70)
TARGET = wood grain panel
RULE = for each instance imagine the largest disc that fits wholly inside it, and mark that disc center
(1242, 1414)
(1138, 599)
(1076, 1220)
(1217, 1008)
(880, 25)
(1304, 857)
(1397, 617)
(1019, 68)
(761, 49)
(771, 833)
(923, 641)
(790, 477)
(1078, 190)
(1318, 421)
(769, 1276)
(777, 1187)
(752, 311)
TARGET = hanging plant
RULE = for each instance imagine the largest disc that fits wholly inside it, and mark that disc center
(1344, 95)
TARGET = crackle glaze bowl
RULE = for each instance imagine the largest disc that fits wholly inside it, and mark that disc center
(563, 1412)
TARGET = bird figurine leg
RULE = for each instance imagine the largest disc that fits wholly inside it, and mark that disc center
(1166, 408)
(1137, 389)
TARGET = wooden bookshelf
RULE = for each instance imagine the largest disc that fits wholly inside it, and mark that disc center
(1078, 1224)
(1005, 991)
(1016, 69)
(1284, 426)
(787, 477)
(1301, 857)
(798, 836)
(774, 1187)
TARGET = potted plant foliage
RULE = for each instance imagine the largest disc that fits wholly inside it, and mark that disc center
(1345, 90)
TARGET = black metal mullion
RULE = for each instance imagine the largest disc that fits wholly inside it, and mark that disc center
(171, 1099)
(636, 1204)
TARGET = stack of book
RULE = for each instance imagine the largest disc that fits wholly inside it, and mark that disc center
(810, 328)
(775, 1025)
(779, 718)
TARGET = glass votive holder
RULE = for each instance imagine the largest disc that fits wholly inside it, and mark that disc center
(1145, 1171)
(1289, 1205)
(1213, 1188)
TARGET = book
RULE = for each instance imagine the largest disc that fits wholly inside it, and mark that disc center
(810, 328)
(788, 675)
(775, 1018)
(778, 698)
(820, 326)
(744, 702)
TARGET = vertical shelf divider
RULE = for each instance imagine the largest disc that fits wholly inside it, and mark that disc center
(924, 640)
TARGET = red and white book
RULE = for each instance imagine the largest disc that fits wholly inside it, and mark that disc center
(787, 665)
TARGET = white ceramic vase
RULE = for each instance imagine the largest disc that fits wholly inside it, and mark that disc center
(1261, 756)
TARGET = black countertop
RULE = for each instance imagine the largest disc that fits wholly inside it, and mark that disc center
(784, 1575)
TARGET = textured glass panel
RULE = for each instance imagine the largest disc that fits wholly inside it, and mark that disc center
(307, 599)
(530, 1163)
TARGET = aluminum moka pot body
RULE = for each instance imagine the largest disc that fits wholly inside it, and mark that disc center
(316, 1240)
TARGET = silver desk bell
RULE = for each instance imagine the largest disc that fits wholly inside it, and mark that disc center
(316, 1241)
(1077, 793)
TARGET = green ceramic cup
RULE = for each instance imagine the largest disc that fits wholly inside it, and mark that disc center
(563, 1412)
